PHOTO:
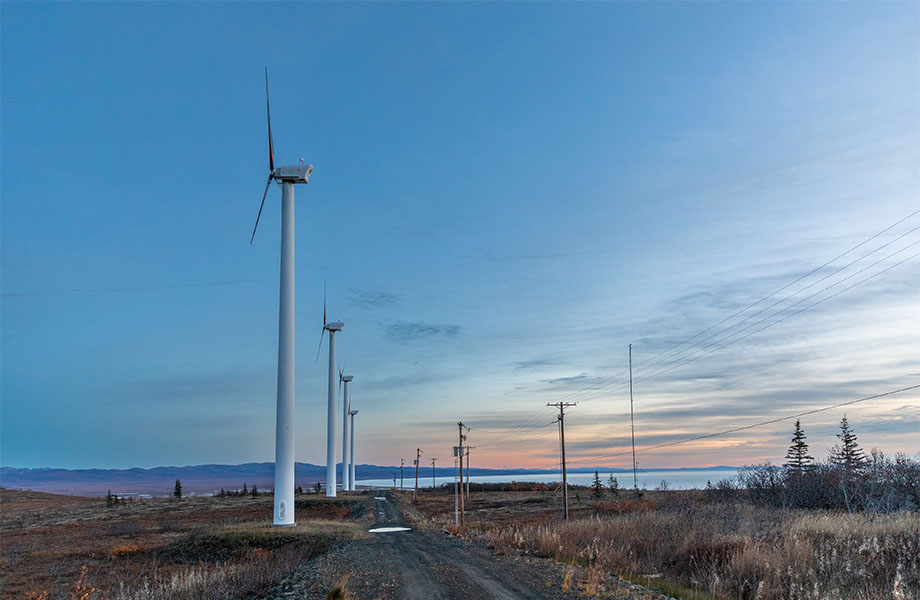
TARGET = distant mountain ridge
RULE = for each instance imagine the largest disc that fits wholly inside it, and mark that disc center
(209, 478)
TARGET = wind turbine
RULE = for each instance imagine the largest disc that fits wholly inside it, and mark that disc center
(346, 486)
(351, 469)
(330, 421)
(284, 422)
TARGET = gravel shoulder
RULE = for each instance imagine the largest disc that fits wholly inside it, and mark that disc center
(426, 564)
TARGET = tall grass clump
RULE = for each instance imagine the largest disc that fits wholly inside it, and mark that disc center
(742, 551)
(230, 563)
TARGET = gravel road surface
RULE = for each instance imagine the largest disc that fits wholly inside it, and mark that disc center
(424, 564)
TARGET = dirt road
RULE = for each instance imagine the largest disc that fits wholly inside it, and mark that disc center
(428, 565)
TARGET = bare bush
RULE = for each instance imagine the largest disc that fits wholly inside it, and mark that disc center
(880, 485)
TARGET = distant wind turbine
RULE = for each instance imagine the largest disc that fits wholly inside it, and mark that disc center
(351, 469)
(346, 379)
(284, 422)
(330, 421)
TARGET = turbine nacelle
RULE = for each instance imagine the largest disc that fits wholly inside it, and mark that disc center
(347, 378)
(352, 412)
(293, 173)
(334, 326)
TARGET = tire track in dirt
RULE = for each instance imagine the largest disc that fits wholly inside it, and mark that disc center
(423, 565)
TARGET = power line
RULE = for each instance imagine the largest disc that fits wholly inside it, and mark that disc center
(727, 343)
(587, 394)
(533, 421)
(145, 288)
(646, 364)
(753, 425)
(791, 283)
(780, 301)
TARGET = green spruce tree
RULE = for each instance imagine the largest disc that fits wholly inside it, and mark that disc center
(797, 458)
(177, 491)
(847, 454)
(597, 487)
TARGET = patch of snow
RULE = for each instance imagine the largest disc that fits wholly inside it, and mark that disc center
(388, 529)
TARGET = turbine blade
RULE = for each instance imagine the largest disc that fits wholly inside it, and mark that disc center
(320, 347)
(259, 216)
(324, 304)
(268, 112)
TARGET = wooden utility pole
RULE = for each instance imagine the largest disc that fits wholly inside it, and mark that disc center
(418, 456)
(434, 481)
(402, 463)
(468, 448)
(565, 487)
(462, 438)
(632, 428)
(456, 497)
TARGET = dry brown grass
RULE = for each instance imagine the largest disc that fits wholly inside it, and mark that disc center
(69, 547)
(720, 550)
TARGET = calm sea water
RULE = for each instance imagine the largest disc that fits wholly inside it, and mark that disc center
(650, 479)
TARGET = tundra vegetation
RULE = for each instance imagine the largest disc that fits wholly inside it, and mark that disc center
(844, 528)
(151, 549)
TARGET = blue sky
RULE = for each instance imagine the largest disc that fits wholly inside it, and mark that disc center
(505, 196)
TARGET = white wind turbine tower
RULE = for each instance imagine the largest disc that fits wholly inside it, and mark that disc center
(346, 379)
(284, 423)
(330, 421)
(351, 469)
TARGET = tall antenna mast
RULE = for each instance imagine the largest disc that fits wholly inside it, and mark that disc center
(632, 426)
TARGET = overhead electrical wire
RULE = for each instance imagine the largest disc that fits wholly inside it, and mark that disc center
(603, 386)
(748, 318)
(746, 427)
(727, 343)
(785, 287)
(146, 288)
(677, 359)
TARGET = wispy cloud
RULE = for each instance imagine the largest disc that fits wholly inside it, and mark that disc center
(537, 255)
(371, 298)
(204, 388)
(536, 363)
(405, 331)
(582, 380)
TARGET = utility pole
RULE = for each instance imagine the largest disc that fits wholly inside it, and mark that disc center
(632, 427)
(468, 448)
(418, 456)
(462, 438)
(565, 487)
(402, 463)
(434, 481)
(456, 500)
